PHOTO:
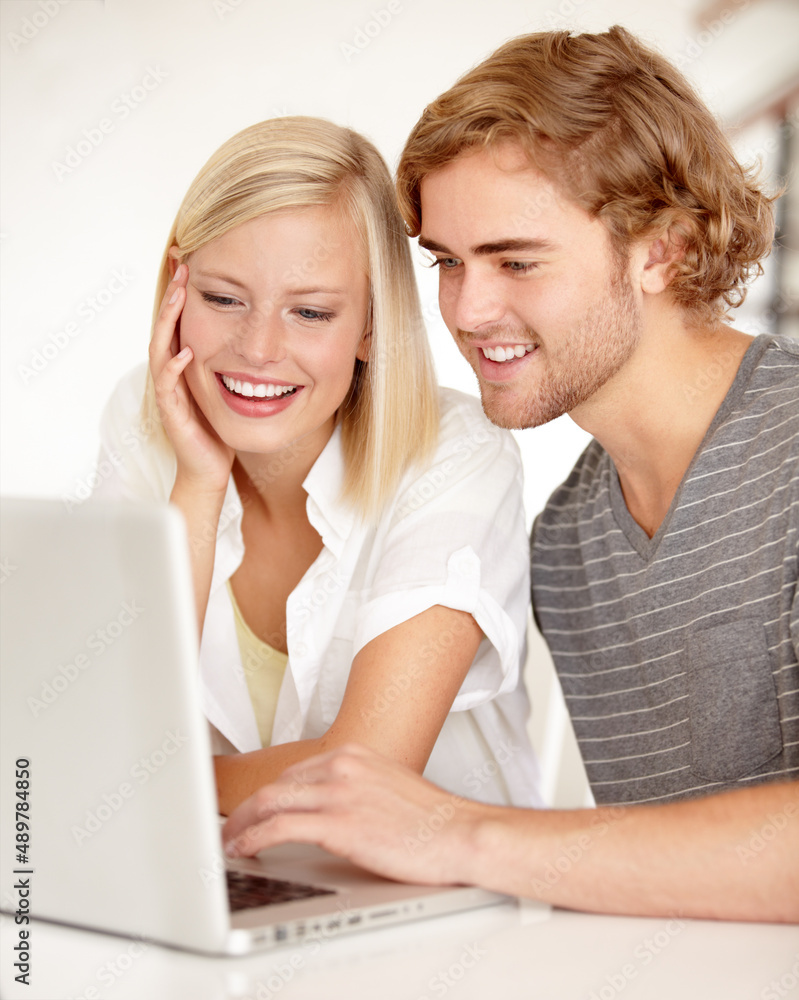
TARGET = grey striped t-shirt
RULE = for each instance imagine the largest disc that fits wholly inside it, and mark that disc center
(678, 654)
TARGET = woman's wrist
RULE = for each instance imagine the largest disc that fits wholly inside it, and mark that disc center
(201, 509)
(190, 493)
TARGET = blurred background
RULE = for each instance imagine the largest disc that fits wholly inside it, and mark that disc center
(109, 109)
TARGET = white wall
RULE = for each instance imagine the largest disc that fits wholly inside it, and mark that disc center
(141, 92)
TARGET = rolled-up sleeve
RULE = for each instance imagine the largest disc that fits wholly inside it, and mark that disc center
(457, 538)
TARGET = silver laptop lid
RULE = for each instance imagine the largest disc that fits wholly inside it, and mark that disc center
(88, 624)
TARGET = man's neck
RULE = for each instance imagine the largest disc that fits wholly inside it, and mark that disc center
(653, 417)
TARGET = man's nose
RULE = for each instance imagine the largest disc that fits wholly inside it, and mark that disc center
(472, 302)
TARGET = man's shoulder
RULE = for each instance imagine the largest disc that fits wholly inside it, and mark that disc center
(589, 473)
(765, 395)
(775, 363)
(783, 345)
(577, 497)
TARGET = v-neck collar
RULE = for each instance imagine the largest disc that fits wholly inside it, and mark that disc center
(645, 546)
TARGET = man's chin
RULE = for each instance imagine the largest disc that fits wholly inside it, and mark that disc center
(513, 414)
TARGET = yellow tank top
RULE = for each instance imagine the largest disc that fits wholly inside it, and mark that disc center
(264, 667)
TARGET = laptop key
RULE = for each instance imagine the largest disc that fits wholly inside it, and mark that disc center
(246, 890)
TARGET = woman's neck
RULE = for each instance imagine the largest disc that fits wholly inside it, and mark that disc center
(276, 480)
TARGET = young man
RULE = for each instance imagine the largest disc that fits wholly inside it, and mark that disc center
(591, 227)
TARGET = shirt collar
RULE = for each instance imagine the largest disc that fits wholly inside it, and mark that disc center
(230, 543)
(333, 519)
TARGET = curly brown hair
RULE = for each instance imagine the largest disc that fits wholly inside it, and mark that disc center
(625, 134)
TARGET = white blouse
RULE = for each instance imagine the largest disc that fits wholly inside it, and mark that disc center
(453, 534)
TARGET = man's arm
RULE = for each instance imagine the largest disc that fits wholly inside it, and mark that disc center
(733, 856)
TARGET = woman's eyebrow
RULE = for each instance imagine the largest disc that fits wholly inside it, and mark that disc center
(317, 290)
(215, 276)
(304, 290)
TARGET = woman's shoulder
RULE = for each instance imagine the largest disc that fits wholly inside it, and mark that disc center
(125, 402)
(474, 477)
(462, 417)
(470, 449)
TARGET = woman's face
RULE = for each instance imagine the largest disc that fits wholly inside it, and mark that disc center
(276, 313)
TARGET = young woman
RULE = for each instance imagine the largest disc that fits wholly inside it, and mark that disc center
(357, 535)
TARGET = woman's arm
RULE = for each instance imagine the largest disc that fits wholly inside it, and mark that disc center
(400, 689)
(203, 460)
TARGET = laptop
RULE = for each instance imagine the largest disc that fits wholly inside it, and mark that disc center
(107, 800)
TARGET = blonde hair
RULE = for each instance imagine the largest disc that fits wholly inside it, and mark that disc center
(622, 131)
(389, 420)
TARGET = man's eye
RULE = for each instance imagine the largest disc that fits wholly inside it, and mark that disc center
(519, 266)
(446, 263)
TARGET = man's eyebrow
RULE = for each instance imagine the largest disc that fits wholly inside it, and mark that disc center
(431, 245)
(509, 245)
(513, 246)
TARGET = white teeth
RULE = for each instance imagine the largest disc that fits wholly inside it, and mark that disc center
(506, 353)
(260, 390)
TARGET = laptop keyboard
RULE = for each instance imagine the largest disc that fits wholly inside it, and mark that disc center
(246, 890)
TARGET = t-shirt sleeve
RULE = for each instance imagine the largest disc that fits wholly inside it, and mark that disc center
(456, 537)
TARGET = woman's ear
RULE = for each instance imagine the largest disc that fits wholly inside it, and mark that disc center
(365, 345)
(174, 258)
(362, 354)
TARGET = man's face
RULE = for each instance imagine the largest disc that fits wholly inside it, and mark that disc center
(529, 286)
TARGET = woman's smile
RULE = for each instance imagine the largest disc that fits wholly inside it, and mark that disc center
(276, 316)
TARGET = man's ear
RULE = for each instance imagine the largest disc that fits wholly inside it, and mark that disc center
(663, 252)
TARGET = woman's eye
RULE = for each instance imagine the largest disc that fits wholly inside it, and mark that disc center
(225, 301)
(315, 315)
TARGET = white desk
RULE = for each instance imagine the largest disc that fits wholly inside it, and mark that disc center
(499, 953)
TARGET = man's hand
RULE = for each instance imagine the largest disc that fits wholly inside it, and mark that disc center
(688, 859)
(364, 807)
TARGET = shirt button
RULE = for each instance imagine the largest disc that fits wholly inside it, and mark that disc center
(301, 649)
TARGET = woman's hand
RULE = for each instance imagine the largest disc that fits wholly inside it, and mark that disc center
(204, 460)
